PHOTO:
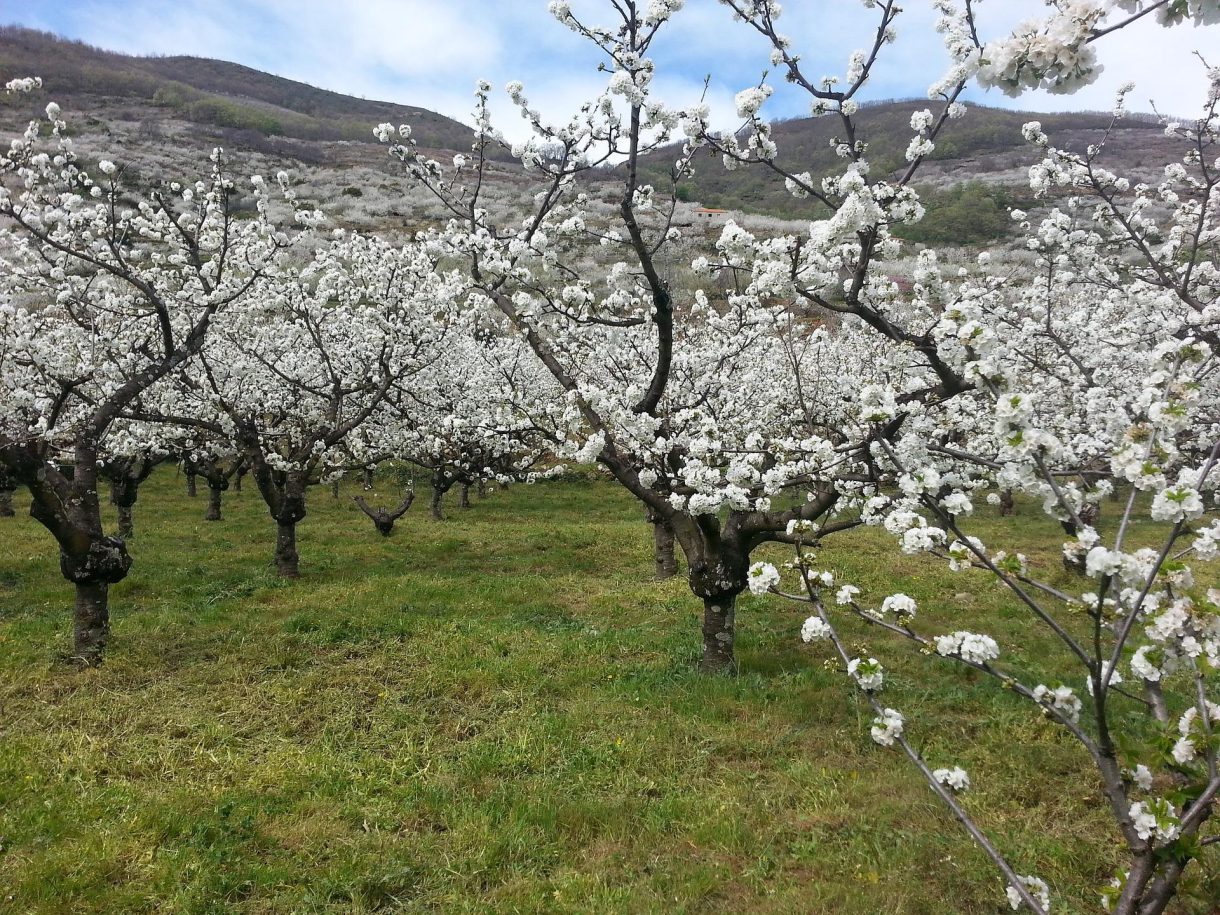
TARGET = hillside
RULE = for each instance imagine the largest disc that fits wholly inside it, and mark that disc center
(212, 92)
(158, 114)
(985, 148)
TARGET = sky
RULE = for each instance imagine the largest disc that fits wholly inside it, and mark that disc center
(430, 53)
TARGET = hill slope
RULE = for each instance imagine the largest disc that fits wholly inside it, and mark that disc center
(158, 113)
(985, 146)
(212, 92)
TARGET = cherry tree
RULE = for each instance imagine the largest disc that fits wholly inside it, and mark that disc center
(221, 464)
(384, 518)
(130, 452)
(100, 299)
(8, 486)
(709, 410)
(1101, 376)
(476, 413)
(290, 376)
(639, 361)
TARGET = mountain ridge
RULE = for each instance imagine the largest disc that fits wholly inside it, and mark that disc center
(214, 92)
(977, 172)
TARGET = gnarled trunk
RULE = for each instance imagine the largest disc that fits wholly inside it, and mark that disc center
(102, 563)
(191, 489)
(124, 491)
(215, 496)
(719, 634)
(718, 559)
(334, 489)
(8, 485)
(91, 622)
(482, 489)
(284, 494)
(662, 545)
(1007, 503)
(287, 560)
(127, 528)
(367, 481)
(68, 507)
(435, 504)
(464, 499)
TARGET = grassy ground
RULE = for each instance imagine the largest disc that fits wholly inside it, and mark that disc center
(499, 713)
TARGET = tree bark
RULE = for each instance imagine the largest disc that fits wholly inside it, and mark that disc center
(368, 479)
(435, 505)
(334, 489)
(482, 489)
(719, 617)
(127, 528)
(91, 621)
(215, 495)
(464, 501)
(1007, 503)
(191, 489)
(287, 561)
(663, 550)
(68, 507)
(8, 485)
(237, 480)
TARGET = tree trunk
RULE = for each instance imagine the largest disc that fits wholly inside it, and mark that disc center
(464, 501)
(482, 489)
(91, 621)
(663, 550)
(287, 562)
(368, 478)
(90, 560)
(1007, 503)
(237, 480)
(190, 484)
(437, 495)
(215, 493)
(718, 631)
(126, 527)
(6, 503)
(334, 489)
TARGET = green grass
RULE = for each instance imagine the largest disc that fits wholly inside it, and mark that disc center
(500, 713)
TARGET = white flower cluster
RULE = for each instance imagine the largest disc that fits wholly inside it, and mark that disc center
(969, 646)
(887, 727)
(955, 778)
(1036, 887)
(868, 674)
(763, 577)
(1154, 820)
(1062, 699)
(24, 84)
(814, 629)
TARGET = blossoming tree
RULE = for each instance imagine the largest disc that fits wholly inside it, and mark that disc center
(712, 410)
(289, 377)
(100, 299)
(475, 414)
(1102, 377)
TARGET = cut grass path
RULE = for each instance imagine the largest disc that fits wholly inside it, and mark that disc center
(500, 713)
